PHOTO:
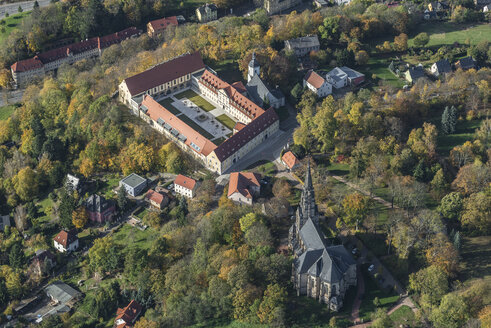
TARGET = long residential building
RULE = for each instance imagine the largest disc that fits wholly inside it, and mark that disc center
(30, 69)
(160, 80)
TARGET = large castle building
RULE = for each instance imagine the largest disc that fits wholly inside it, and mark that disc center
(319, 271)
(143, 91)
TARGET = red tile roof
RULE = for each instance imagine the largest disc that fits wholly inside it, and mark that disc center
(161, 24)
(249, 132)
(238, 100)
(75, 48)
(314, 79)
(290, 159)
(129, 313)
(239, 86)
(239, 126)
(27, 65)
(65, 238)
(154, 196)
(156, 111)
(241, 181)
(165, 72)
(185, 182)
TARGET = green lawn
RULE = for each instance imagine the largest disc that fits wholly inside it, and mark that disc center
(227, 121)
(338, 169)
(371, 291)
(167, 103)
(448, 33)
(6, 111)
(106, 186)
(475, 253)
(379, 66)
(195, 98)
(195, 126)
(403, 317)
(128, 235)
(43, 205)
(12, 23)
(141, 213)
(219, 141)
(464, 132)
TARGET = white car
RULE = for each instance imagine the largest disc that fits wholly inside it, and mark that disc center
(371, 268)
(354, 251)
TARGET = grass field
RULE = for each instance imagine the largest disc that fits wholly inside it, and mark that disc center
(464, 132)
(12, 23)
(228, 70)
(475, 253)
(449, 33)
(167, 103)
(127, 235)
(195, 98)
(196, 127)
(6, 111)
(227, 121)
(379, 67)
(403, 316)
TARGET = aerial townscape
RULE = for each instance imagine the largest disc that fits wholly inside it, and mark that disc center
(245, 164)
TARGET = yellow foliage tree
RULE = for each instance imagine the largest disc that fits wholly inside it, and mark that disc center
(80, 217)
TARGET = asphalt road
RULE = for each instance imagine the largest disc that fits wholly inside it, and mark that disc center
(12, 8)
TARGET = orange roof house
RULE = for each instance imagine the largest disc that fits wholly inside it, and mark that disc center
(184, 186)
(158, 26)
(290, 160)
(156, 199)
(127, 316)
(65, 241)
(243, 186)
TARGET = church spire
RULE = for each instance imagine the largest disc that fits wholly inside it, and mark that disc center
(308, 208)
(308, 178)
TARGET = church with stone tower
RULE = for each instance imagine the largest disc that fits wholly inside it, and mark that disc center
(319, 271)
(259, 92)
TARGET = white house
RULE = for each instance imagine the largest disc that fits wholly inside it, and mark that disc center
(134, 184)
(337, 77)
(317, 84)
(185, 186)
(66, 242)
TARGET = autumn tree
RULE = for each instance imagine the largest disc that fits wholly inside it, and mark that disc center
(443, 254)
(282, 188)
(271, 308)
(356, 208)
(431, 283)
(400, 42)
(248, 221)
(80, 217)
(421, 39)
(451, 205)
(103, 255)
(472, 178)
(25, 184)
(451, 313)
(477, 211)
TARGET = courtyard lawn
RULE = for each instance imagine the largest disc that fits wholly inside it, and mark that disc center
(12, 23)
(6, 111)
(379, 66)
(475, 253)
(107, 185)
(449, 33)
(219, 141)
(464, 132)
(167, 103)
(195, 98)
(228, 70)
(227, 121)
(195, 126)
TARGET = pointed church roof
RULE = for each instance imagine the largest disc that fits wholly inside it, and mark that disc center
(254, 62)
(308, 178)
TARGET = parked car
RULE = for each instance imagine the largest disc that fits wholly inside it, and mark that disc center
(170, 187)
(371, 268)
(354, 251)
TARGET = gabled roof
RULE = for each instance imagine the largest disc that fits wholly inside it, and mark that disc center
(352, 74)
(416, 72)
(337, 74)
(65, 238)
(237, 99)
(154, 196)
(241, 181)
(314, 79)
(27, 65)
(239, 86)
(193, 139)
(466, 63)
(249, 132)
(61, 292)
(290, 159)
(239, 126)
(303, 42)
(164, 72)
(257, 90)
(162, 23)
(97, 204)
(185, 182)
(311, 235)
(129, 313)
(443, 66)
